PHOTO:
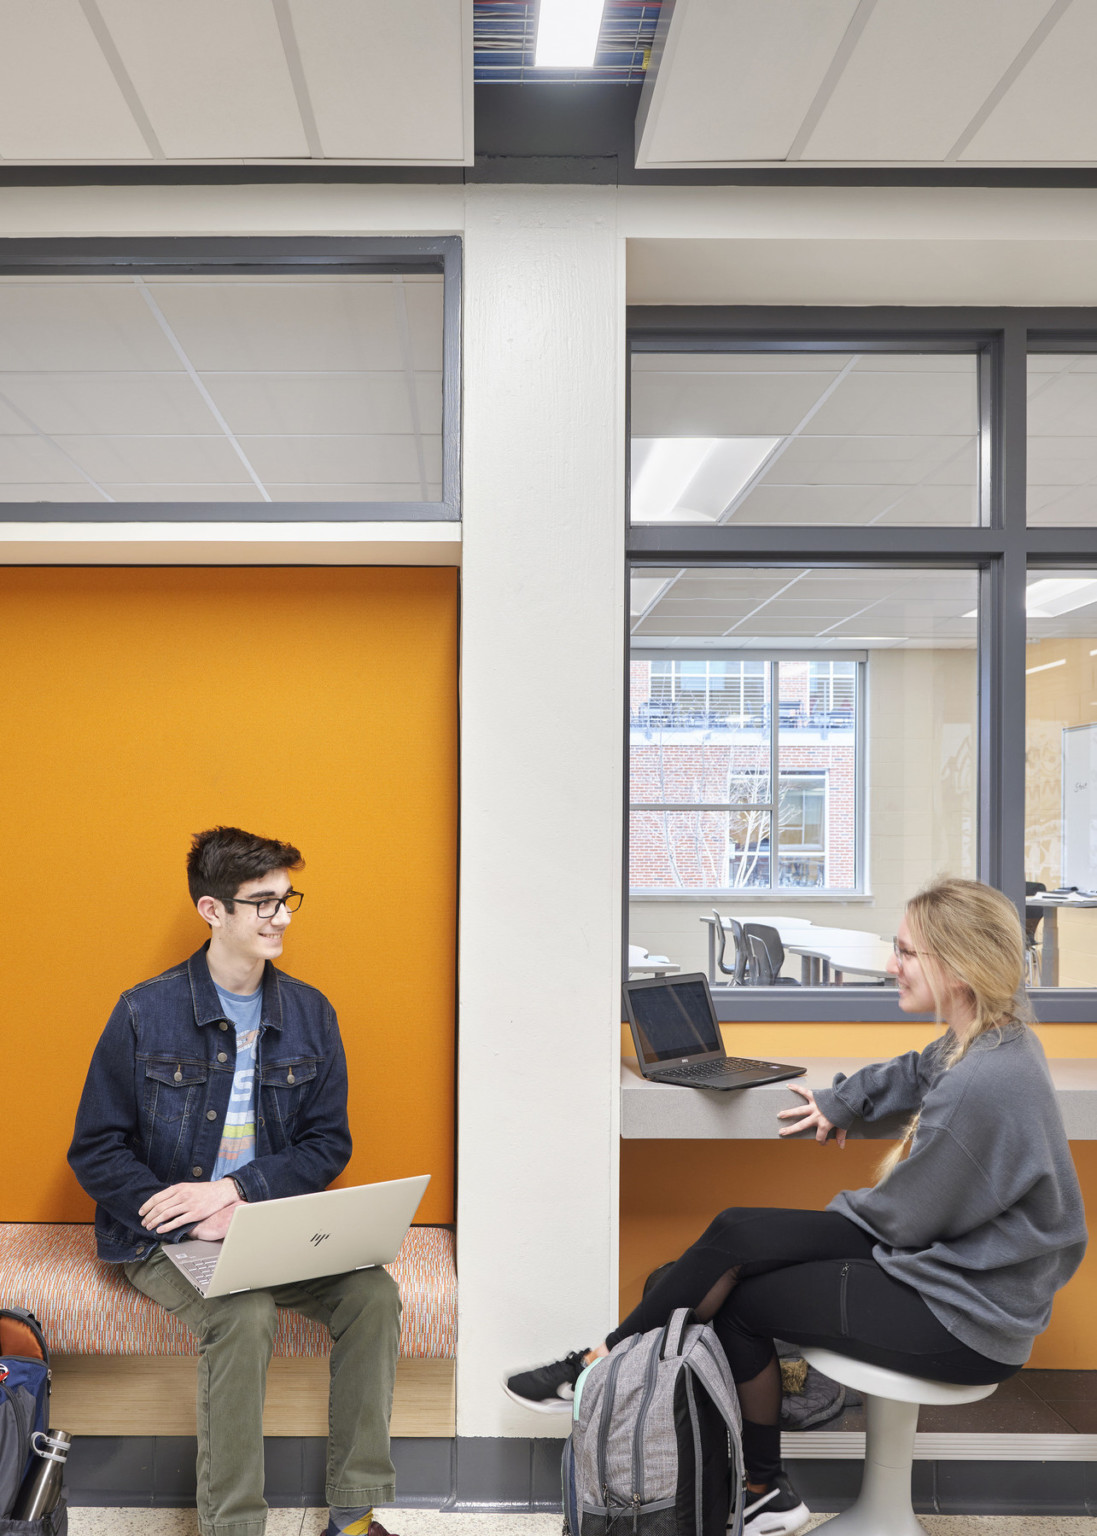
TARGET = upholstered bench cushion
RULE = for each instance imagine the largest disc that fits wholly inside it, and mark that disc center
(89, 1308)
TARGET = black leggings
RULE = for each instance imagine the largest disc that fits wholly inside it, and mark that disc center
(808, 1277)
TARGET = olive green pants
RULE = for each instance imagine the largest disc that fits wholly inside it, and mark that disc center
(235, 1334)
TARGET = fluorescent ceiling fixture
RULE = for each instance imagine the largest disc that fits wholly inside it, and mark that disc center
(1047, 666)
(643, 592)
(1053, 595)
(714, 470)
(567, 33)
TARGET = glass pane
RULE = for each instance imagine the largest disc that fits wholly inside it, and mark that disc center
(817, 783)
(814, 438)
(1062, 439)
(699, 850)
(867, 681)
(699, 732)
(1061, 776)
(252, 389)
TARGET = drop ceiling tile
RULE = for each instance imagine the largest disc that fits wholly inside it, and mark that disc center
(108, 402)
(67, 324)
(1050, 506)
(423, 306)
(1066, 406)
(900, 403)
(884, 460)
(722, 405)
(317, 402)
(212, 77)
(918, 75)
(349, 458)
(736, 78)
(283, 326)
(740, 362)
(24, 460)
(1062, 460)
(350, 491)
(859, 505)
(203, 491)
(59, 99)
(74, 490)
(916, 362)
(1047, 113)
(389, 82)
(163, 460)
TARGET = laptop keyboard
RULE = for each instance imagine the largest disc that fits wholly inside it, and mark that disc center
(702, 1069)
(198, 1270)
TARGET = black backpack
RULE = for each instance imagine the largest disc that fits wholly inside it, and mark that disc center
(24, 1412)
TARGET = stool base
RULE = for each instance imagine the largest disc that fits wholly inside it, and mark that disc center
(883, 1505)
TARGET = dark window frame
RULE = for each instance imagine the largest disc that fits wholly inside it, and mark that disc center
(247, 257)
(1002, 550)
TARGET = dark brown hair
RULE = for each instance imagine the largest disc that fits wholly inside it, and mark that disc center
(223, 858)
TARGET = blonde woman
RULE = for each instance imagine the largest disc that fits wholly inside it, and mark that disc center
(944, 1268)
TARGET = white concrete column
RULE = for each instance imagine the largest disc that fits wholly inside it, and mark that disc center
(541, 787)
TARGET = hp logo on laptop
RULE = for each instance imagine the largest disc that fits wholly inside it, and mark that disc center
(319, 1237)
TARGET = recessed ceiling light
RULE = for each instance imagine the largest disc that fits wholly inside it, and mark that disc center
(1046, 667)
(567, 33)
(668, 466)
(1054, 595)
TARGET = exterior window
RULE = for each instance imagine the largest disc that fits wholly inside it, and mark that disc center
(720, 779)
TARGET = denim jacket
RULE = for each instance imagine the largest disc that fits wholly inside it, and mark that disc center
(157, 1093)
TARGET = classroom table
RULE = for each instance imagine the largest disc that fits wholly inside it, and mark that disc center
(822, 950)
(641, 963)
(1049, 939)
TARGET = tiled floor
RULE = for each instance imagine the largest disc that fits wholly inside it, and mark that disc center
(419, 1522)
(1033, 1402)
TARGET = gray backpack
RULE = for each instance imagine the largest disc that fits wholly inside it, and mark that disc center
(655, 1446)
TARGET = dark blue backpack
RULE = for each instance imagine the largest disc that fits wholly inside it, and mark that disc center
(24, 1408)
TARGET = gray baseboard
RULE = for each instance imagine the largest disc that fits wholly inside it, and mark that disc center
(524, 1475)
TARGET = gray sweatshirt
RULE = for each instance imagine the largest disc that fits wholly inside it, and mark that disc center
(984, 1217)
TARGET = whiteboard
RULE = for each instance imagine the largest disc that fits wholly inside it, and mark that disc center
(1080, 806)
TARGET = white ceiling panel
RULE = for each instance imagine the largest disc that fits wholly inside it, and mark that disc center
(78, 325)
(59, 99)
(348, 458)
(75, 490)
(292, 326)
(106, 402)
(324, 402)
(735, 79)
(174, 460)
(353, 491)
(212, 76)
(208, 490)
(1048, 114)
(917, 77)
(713, 405)
(389, 83)
(28, 460)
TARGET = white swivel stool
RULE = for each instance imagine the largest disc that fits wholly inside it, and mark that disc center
(883, 1506)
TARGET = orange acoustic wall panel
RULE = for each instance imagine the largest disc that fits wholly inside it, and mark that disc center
(141, 705)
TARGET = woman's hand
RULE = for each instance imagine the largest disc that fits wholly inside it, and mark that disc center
(809, 1116)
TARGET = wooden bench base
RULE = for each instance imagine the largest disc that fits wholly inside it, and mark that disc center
(154, 1395)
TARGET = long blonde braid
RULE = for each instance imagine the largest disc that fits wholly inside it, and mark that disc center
(968, 932)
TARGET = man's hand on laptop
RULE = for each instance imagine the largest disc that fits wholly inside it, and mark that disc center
(181, 1204)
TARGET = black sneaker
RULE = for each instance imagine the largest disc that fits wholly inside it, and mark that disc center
(775, 1513)
(547, 1388)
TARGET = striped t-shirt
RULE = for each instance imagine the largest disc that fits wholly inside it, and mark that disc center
(238, 1136)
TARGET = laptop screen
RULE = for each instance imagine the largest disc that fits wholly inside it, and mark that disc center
(673, 1017)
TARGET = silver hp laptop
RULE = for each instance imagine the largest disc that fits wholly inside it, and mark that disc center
(275, 1242)
(678, 1038)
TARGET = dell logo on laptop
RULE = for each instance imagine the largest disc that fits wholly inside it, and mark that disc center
(319, 1237)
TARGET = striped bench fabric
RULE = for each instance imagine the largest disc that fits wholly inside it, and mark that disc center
(89, 1308)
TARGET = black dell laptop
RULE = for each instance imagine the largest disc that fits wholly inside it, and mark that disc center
(678, 1038)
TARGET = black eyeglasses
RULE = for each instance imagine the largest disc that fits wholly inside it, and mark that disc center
(267, 906)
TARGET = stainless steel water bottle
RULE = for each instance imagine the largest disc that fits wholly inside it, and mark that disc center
(42, 1485)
